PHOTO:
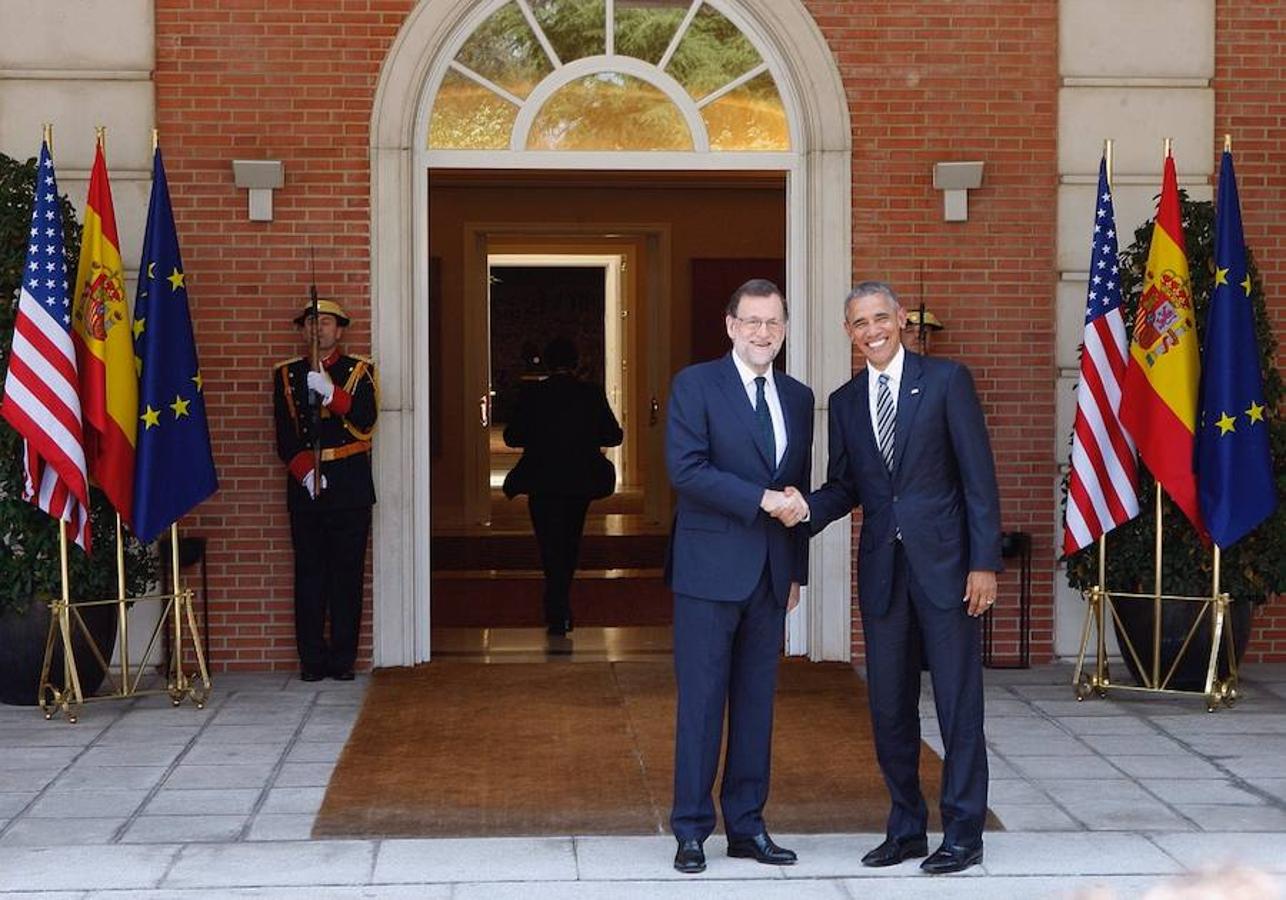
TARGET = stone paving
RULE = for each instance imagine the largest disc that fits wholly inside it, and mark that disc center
(143, 800)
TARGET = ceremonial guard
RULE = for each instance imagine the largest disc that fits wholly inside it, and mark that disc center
(325, 415)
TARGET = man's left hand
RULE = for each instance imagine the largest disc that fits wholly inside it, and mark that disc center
(792, 599)
(980, 592)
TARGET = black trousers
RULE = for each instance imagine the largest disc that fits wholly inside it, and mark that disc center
(950, 641)
(558, 521)
(330, 559)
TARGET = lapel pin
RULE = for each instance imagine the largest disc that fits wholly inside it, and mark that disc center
(914, 391)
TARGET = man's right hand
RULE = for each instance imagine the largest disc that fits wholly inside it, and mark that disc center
(788, 507)
(796, 509)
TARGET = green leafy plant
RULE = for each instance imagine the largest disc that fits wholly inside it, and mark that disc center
(29, 556)
(1255, 567)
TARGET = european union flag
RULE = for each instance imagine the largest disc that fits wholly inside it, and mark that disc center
(173, 464)
(1235, 481)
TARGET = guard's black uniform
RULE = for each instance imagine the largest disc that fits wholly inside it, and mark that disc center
(329, 532)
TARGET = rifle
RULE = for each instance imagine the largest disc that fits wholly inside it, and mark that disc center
(314, 356)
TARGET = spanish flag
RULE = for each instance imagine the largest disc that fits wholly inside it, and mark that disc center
(102, 325)
(1159, 396)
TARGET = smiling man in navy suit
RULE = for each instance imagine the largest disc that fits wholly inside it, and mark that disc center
(908, 443)
(737, 434)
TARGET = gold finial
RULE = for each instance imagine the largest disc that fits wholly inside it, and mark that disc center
(100, 137)
(1168, 142)
(156, 140)
(48, 129)
(1227, 143)
(1107, 155)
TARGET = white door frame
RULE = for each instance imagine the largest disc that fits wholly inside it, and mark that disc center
(819, 272)
(613, 324)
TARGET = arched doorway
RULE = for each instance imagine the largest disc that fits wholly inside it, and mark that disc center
(430, 56)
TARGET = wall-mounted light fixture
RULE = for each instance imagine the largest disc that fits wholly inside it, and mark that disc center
(261, 177)
(955, 180)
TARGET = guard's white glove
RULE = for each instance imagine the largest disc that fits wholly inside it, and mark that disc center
(320, 384)
(310, 484)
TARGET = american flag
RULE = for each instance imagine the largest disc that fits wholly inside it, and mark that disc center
(1103, 489)
(40, 397)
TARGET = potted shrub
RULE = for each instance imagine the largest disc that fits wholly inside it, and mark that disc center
(1254, 569)
(29, 556)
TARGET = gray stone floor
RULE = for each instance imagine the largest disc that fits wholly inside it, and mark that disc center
(144, 800)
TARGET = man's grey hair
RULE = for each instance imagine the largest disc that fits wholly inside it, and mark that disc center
(867, 288)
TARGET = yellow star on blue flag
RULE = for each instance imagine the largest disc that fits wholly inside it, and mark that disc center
(1235, 484)
(173, 464)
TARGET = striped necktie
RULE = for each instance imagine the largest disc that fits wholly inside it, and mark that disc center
(886, 420)
(764, 418)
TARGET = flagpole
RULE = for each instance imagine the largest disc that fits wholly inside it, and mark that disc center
(100, 137)
(1099, 611)
(1217, 601)
(121, 609)
(178, 684)
(1156, 575)
(71, 678)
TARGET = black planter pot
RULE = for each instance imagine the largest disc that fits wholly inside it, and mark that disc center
(22, 649)
(1176, 618)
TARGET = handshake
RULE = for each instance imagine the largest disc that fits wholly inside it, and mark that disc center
(788, 507)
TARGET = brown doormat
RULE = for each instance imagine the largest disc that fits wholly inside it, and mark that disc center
(461, 749)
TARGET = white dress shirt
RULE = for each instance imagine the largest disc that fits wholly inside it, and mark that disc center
(748, 376)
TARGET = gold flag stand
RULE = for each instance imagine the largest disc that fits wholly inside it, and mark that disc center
(1102, 602)
(126, 679)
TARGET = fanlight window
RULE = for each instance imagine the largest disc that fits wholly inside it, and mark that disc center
(608, 75)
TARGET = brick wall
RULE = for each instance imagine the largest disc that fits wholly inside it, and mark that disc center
(930, 81)
(1250, 104)
(252, 79)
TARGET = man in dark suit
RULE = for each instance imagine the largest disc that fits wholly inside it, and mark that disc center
(737, 433)
(330, 509)
(908, 443)
(561, 423)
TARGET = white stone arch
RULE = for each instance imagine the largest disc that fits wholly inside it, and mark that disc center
(591, 65)
(819, 269)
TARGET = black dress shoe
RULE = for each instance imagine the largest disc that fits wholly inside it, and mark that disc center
(952, 858)
(311, 676)
(896, 850)
(761, 848)
(690, 858)
(346, 675)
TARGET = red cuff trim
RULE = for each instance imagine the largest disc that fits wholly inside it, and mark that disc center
(340, 402)
(301, 465)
